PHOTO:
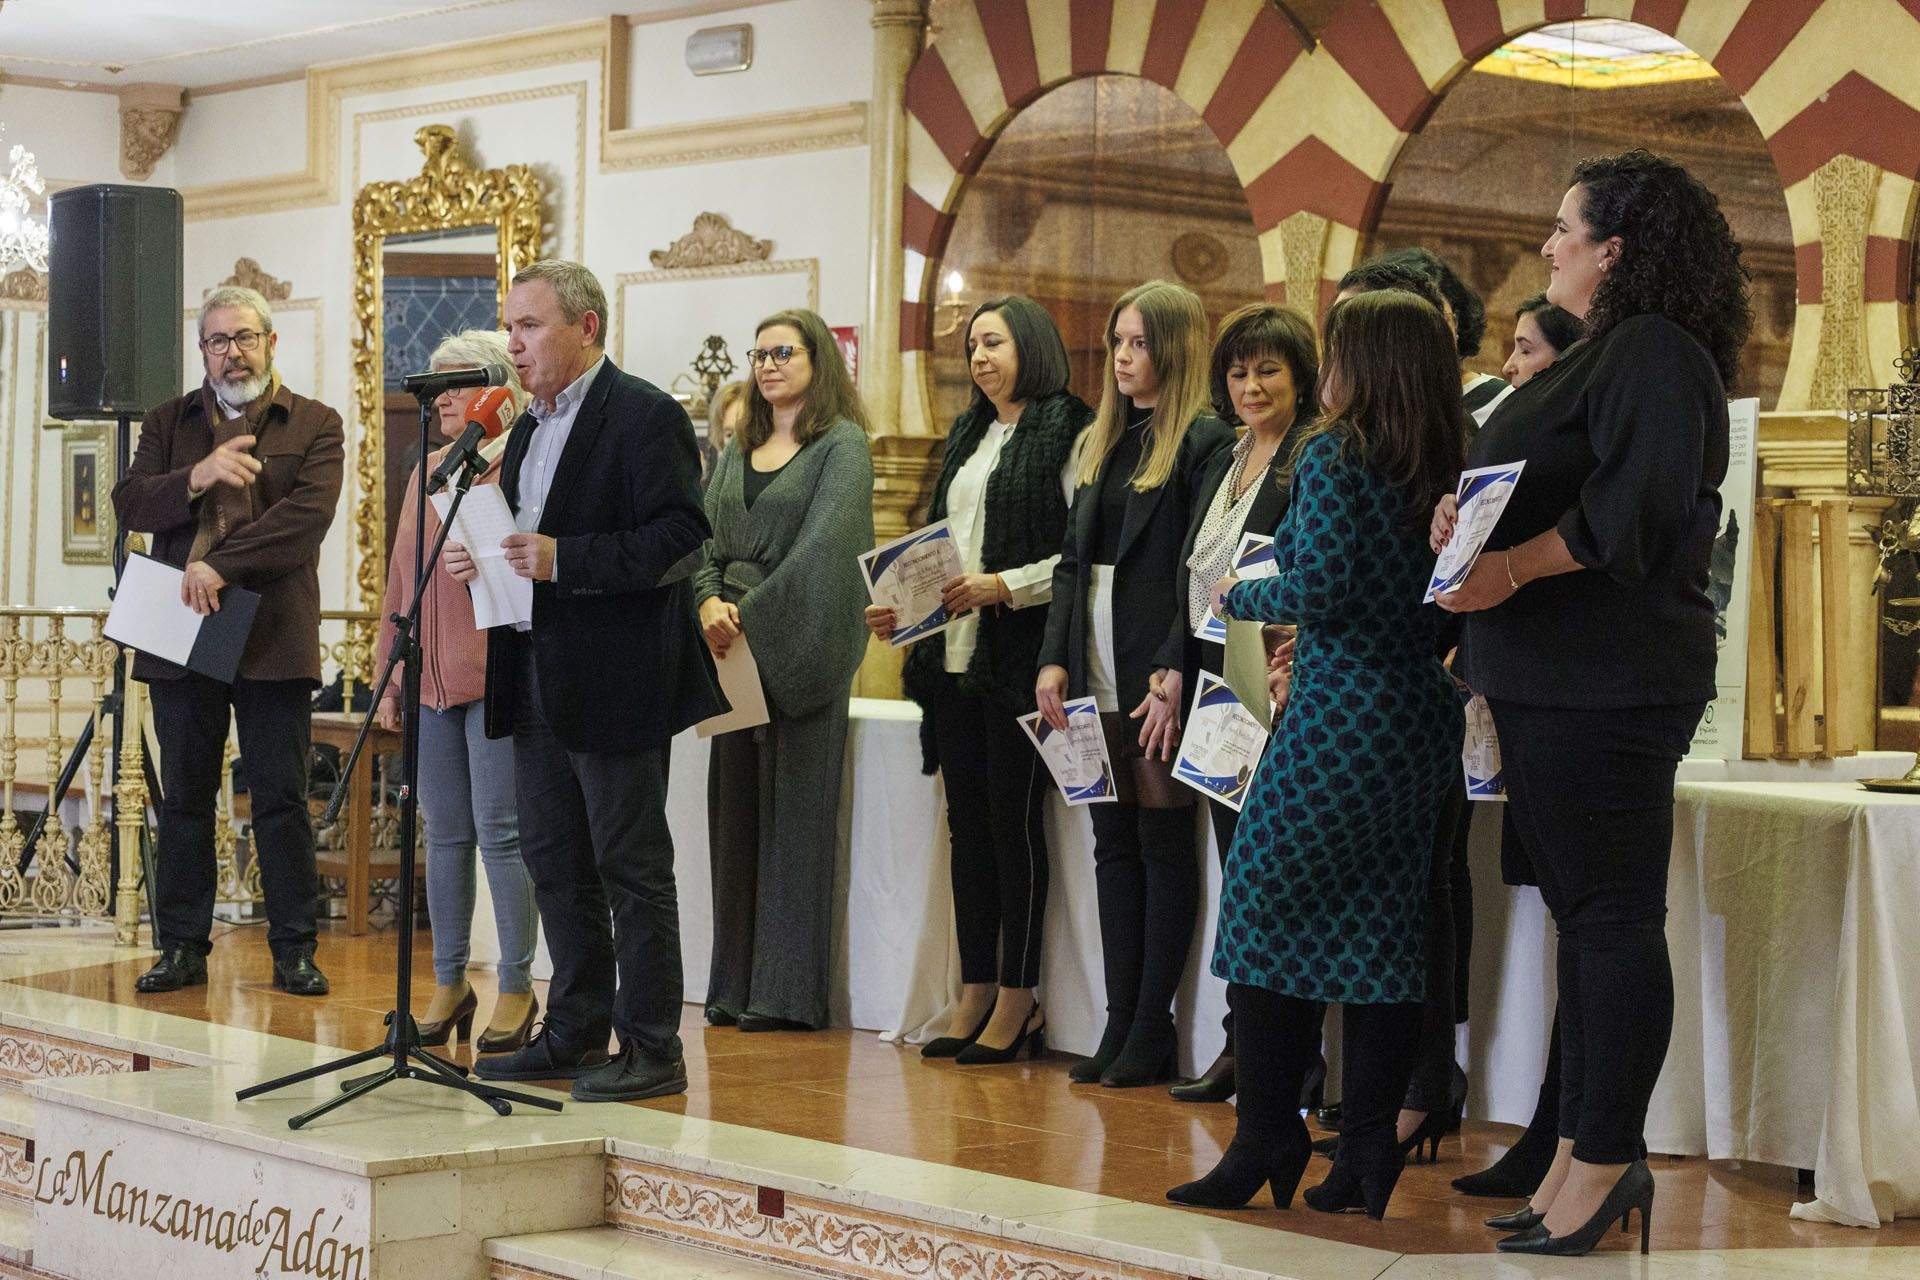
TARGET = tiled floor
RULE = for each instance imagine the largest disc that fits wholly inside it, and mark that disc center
(1023, 1121)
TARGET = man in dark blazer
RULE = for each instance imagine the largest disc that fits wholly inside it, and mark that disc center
(603, 477)
(237, 480)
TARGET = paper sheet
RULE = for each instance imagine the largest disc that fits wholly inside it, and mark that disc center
(1253, 559)
(1077, 759)
(147, 614)
(501, 597)
(1222, 745)
(740, 682)
(1246, 670)
(906, 575)
(1480, 754)
(1483, 495)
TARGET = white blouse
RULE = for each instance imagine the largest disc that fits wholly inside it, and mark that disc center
(1028, 584)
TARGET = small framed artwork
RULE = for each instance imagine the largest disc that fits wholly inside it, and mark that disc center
(86, 475)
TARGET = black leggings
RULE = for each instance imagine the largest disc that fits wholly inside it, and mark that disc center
(1591, 796)
(1147, 877)
(996, 806)
(1447, 942)
(1277, 1040)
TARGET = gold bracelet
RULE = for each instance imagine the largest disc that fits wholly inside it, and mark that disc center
(1507, 559)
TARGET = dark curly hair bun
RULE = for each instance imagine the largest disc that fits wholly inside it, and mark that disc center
(1678, 257)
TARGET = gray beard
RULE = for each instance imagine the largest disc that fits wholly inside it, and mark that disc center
(238, 395)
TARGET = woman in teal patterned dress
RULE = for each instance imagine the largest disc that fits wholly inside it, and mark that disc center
(1327, 878)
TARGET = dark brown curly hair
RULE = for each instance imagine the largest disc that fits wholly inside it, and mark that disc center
(1678, 257)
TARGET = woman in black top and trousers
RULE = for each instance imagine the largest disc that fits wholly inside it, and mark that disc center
(1590, 632)
(1113, 604)
(1264, 377)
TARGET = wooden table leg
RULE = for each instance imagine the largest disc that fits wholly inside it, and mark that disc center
(359, 843)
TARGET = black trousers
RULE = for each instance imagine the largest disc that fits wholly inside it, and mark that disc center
(1224, 820)
(274, 718)
(593, 831)
(1278, 1041)
(1148, 882)
(1591, 795)
(1432, 1087)
(996, 816)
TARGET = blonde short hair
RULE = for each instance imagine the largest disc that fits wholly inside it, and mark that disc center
(725, 397)
(478, 347)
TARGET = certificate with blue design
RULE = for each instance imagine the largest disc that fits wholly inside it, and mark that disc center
(1483, 495)
(1254, 559)
(1222, 745)
(1077, 758)
(907, 575)
(1480, 754)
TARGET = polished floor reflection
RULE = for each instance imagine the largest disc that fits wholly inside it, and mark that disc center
(1024, 1121)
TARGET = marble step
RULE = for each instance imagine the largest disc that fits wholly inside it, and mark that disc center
(16, 1232)
(607, 1253)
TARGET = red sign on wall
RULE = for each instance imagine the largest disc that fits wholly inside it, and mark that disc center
(848, 338)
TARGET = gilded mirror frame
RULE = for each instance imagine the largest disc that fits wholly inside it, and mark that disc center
(446, 195)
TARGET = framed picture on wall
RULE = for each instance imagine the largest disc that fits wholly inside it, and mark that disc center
(86, 483)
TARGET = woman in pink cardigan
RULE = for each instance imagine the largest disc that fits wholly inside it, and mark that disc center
(466, 780)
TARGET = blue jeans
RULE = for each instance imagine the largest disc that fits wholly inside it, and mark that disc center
(466, 796)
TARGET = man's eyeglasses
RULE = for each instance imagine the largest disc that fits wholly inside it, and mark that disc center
(779, 355)
(218, 344)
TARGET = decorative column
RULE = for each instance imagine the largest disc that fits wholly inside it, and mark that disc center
(897, 29)
(149, 122)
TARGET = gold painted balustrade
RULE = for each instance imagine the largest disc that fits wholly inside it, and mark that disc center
(56, 680)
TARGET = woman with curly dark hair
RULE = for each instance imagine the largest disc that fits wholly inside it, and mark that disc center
(1590, 633)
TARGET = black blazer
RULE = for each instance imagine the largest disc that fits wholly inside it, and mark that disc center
(1145, 596)
(1182, 650)
(621, 663)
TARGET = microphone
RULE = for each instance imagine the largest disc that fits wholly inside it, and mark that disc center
(490, 414)
(430, 384)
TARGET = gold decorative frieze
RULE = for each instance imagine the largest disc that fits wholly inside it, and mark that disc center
(24, 285)
(249, 274)
(713, 242)
(149, 123)
(1843, 190)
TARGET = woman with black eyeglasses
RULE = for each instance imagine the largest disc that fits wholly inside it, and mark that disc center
(791, 505)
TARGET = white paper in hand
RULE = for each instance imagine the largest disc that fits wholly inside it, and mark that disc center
(1077, 759)
(1223, 744)
(740, 682)
(906, 575)
(501, 597)
(1483, 496)
(147, 613)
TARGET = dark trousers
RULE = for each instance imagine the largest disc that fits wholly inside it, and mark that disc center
(996, 810)
(593, 832)
(1148, 883)
(274, 721)
(1591, 795)
(1278, 1041)
(1224, 820)
(1441, 944)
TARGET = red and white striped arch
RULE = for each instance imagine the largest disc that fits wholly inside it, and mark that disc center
(1314, 135)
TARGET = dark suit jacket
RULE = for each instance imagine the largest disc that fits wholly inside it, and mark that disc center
(1182, 650)
(1144, 599)
(301, 449)
(620, 660)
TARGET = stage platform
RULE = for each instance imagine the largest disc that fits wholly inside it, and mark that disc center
(124, 1154)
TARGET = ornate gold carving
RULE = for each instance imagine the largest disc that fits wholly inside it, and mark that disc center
(248, 274)
(713, 242)
(1843, 202)
(1303, 242)
(447, 194)
(24, 285)
(146, 134)
(807, 268)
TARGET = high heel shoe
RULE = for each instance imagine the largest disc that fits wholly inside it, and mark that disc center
(1214, 1085)
(1132, 1072)
(1031, 1038)
(1112, 1041)
(1433, 1127)
(1354, 1186)
(459, 1018)
(1633, 1191)
(502, 1036)
(1519, 1220)
(950, 1046)
(1242, 1170)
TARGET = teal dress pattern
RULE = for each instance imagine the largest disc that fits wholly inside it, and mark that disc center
(1325, 887)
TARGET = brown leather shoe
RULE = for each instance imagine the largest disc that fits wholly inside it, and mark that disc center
(502, 1034)
(434, 1032)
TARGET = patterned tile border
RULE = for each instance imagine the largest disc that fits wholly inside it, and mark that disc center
(34, 1055)
(825, 1238)
(16, 1166)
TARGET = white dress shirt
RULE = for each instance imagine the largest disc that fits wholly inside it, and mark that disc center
(1027, 584)
(553, 424)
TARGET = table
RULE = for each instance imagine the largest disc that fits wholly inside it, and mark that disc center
(338, 730)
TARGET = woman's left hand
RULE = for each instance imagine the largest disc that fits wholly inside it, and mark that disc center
(1161, 709)
(1488, 583)
(1220, 590)
(973, 591)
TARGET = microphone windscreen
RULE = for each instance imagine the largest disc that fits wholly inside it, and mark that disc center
(499, 375)
(492, 411)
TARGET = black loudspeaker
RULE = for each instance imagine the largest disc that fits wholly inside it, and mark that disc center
(114, 287)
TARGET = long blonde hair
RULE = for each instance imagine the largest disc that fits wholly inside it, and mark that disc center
(1176, 332)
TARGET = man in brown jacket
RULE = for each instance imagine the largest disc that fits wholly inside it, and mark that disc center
(237, 480)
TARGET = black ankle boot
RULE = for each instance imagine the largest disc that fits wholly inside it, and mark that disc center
(1360, 1180)
(1520, 1171)
(1214, 1085)
(1089, 1070)
(1148, 1058)
(1244, 1166)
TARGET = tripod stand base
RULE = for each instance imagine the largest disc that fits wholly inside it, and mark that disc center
(408, 1062)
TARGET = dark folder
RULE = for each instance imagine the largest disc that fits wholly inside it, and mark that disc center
(149, 621)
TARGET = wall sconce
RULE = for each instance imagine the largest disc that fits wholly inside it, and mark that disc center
(952, 309)
(694, 388)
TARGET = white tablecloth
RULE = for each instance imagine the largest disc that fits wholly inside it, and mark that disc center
(1797, 1020)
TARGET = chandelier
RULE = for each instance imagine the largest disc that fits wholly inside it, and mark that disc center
(23, 238)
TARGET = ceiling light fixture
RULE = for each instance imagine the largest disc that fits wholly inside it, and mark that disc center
(23, 237)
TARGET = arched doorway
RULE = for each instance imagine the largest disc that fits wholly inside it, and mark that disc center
(1480, 180)
(1099, 184)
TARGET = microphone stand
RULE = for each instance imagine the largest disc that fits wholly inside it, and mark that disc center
(409, 1061)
